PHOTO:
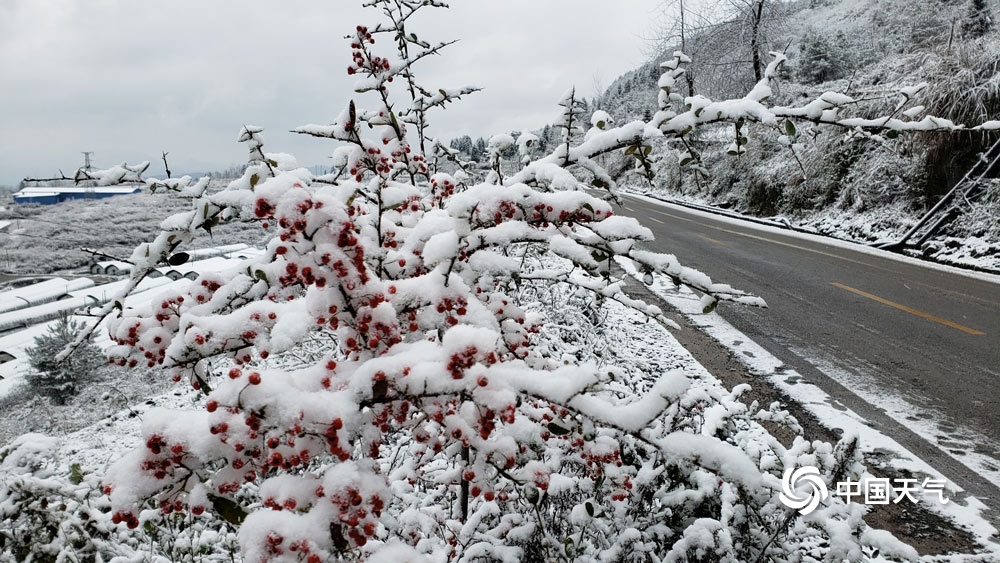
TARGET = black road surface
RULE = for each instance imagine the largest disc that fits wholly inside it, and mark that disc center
(864, 328)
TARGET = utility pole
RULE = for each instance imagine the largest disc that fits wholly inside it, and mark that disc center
(86, 160)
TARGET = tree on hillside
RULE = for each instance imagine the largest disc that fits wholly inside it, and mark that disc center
(410, 370)
(822, 59)
(61, 380)
(728, 42)
(979, 20)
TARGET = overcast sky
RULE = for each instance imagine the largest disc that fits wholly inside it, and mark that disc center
(130, 79)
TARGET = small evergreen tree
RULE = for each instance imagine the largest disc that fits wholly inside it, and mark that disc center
(980, 19)
(820, 60)
(61, 380)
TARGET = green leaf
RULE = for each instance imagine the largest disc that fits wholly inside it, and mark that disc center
(569, 548)
(588, 207)
(892, 134)
(273, 163)
(646, 150)
(601, 124)
(253, 180)
(260, 275)
(590, 508)
(75, 474)
(178, 259)
(203, 385)
(531, 494)
(710, 307)
(630, 150)
(118, 305)
(557, 430)
(229, 511)
(598, 183)
(686, 161)
(789, 128)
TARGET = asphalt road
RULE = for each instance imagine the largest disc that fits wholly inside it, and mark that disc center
(914, 350)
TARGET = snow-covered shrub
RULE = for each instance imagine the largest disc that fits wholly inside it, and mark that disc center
(60, 381)
(391, 380)
(45, 517)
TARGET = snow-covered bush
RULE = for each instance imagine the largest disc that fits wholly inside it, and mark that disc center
(47, 518)
(60, 381)
(390, 380)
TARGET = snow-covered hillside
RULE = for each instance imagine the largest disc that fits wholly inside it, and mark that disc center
(865, 190)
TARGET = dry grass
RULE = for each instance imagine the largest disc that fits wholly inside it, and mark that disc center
(964, 87)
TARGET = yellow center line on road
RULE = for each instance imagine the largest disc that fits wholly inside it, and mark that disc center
(719, 242)
(910, 310)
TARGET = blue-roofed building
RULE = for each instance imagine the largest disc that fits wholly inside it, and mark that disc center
(49, 195)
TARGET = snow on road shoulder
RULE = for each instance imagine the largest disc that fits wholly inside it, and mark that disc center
(966, 511)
